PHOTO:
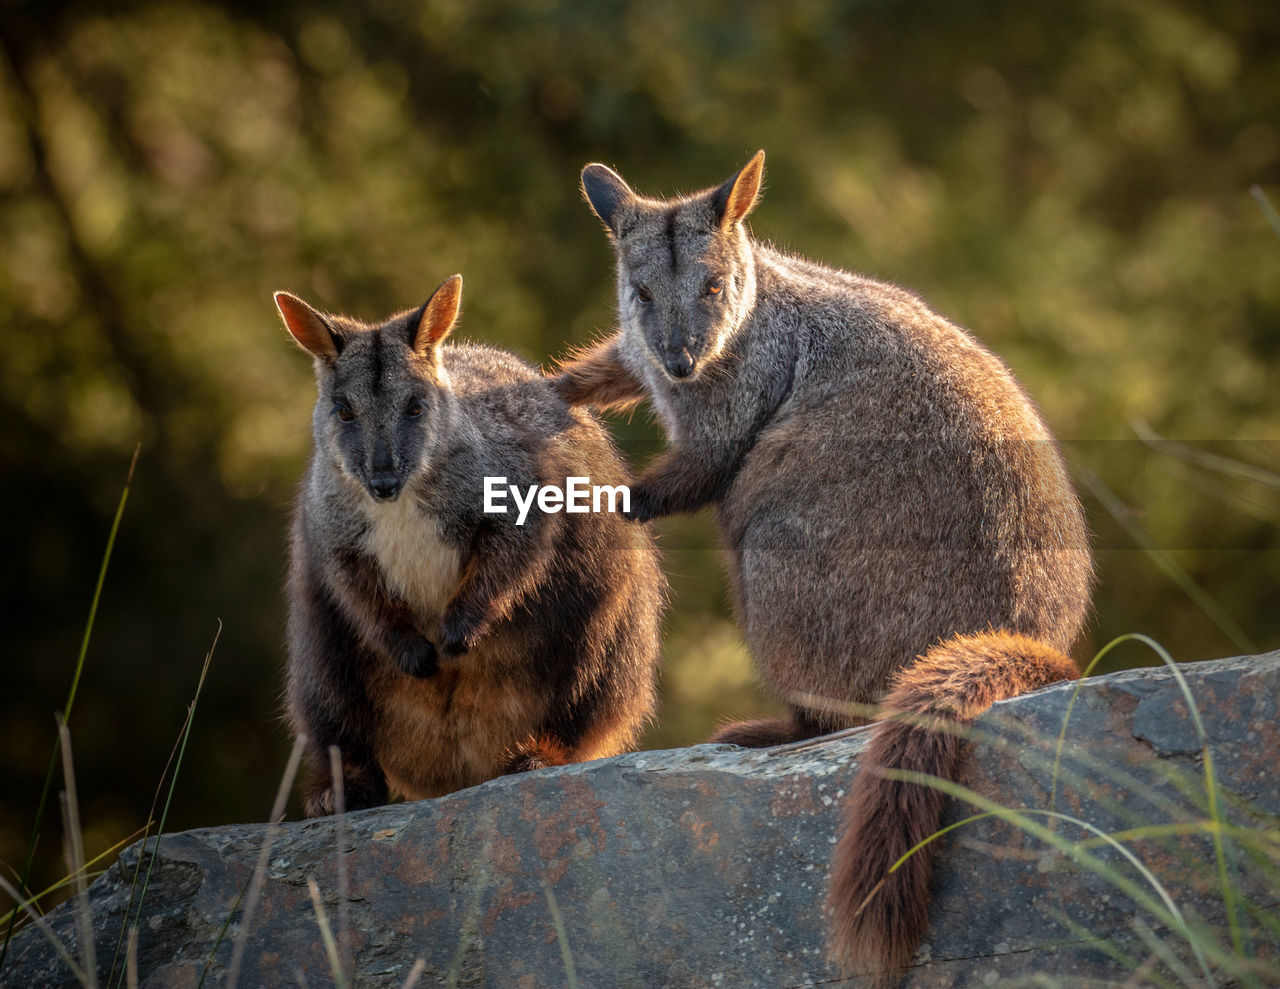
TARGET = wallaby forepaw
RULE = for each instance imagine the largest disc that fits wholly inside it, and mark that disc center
(644, 505)
(453, 646)
(419, 658)
(457, 635)
(319, 803)
(363, 786)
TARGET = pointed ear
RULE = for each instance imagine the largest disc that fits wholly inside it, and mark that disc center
(438, 315)
(310, 330)
(737, 197)
(606, 192)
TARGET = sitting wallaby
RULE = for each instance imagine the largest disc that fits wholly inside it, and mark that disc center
(438, 646)
(885, 490)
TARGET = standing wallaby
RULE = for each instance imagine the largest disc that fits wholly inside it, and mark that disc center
(884, 487)
(438, 646)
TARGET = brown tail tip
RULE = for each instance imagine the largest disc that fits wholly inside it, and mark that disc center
(878, 907)
(878, 903)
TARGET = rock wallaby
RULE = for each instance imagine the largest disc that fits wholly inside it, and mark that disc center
(438, 646)
(900, 526)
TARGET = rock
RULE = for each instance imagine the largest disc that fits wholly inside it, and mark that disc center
(707, 866)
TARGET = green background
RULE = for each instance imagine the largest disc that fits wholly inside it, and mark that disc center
(1070, 180)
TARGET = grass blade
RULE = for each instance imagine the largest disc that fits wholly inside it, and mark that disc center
(68, 880)
(173, 781)
(71, 697)
(1202, 458)
(415, 974)
(1075, 693)
(75, 844)
(1264, 204)
(1162, 951)
(259, 877)
(1163, 906)
(174, 753)
(1165, 562)
(326, 935)
(570, 973)
(1212, 793)
(131, 959)
(1139, 977)
(344, 879)
(47, 931)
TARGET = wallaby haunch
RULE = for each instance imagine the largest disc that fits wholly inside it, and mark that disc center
(438, 646)
(900, 525)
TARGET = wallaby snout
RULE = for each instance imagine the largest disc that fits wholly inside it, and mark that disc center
(384, 486)
(679, 363)
(384, 483)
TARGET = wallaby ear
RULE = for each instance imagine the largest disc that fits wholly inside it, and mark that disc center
(438, 315)
(606, 192)
(310, 330)
(737, 197)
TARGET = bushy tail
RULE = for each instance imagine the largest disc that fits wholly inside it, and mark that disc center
(877, 918)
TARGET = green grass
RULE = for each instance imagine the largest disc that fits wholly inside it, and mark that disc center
(45, 791)
(27, 902)
(1184, 949)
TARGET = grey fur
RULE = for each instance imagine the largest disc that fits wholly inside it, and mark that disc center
(881, 481)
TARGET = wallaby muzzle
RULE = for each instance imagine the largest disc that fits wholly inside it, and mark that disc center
(384, 487)
(384, 484)
(679, 363)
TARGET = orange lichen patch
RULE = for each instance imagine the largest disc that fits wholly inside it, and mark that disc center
(505, 899)
(579, 808)
(705, 837)
(557, 869)
(412, 923)
(415, 867)
(504, 855)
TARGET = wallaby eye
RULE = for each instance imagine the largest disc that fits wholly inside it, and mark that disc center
(414, 408)
(643, 295)
(344, 412)
(714, 287)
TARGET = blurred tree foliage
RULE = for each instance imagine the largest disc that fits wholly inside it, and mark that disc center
(1069, 179)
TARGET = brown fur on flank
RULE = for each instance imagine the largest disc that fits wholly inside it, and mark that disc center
(882, 485)
(764, 732)
(878, 917)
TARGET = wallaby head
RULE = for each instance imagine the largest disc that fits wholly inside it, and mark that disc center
(686, 278)
(384, 403)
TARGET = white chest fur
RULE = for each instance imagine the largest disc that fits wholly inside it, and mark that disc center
(419, 567)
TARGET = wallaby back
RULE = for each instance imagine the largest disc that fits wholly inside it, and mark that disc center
(881, 481)
(436, 645)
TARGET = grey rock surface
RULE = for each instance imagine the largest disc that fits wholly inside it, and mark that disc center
(707, 866)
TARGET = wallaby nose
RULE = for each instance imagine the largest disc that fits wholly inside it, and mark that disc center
(679, 363)
(384, 487)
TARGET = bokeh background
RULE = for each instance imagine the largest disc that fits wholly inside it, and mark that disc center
(1070, 180)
